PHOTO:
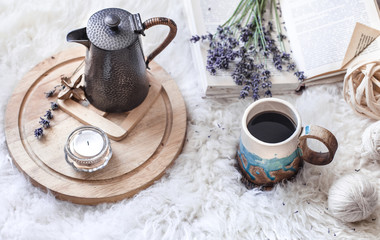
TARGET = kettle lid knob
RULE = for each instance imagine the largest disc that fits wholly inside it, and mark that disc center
(112, 20)
(113, 29)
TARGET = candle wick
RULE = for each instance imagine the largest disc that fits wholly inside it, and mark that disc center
(88, 143)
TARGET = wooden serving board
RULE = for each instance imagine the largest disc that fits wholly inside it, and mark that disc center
(138, 159)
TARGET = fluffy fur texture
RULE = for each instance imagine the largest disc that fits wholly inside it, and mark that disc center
(201, 195)
(353, 198)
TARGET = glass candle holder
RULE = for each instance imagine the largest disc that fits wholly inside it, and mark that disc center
(88, 149)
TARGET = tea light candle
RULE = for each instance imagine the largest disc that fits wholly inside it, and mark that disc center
(88, 149)
(88, 143)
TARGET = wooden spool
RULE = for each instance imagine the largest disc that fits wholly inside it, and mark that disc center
(138, 159)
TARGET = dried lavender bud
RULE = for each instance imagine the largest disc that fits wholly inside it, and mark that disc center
(300, 76)
(45, 123)
(270, 26)
(49, 114)
(255, 96)
(281, 37)
(285, 55)
(195, 38)
(54, 106)
(245, 91)
(50, 93)
(291, 67)
(245, 35)
(266, 73)
(38, 133)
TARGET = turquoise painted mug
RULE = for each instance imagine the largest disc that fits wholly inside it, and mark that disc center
(273, 142)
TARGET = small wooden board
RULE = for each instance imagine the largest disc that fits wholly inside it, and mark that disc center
(91, 116)
(138, 159)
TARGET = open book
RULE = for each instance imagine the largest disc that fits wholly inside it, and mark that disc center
(319, 33)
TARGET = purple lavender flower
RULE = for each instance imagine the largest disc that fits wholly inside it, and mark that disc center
(255, 96)
(50, 93)
(49, 114)
(211, 69)
(195, 38)
(285, 55)
(281, 37)
(270, 26)
(291, 67)
(220, 30)
(53, 106)
(300, 75)
(45, 123)
(38, 133)
(245, 35)
(243, 93)
(266, 73)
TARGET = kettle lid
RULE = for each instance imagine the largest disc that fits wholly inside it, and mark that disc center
(113, 28)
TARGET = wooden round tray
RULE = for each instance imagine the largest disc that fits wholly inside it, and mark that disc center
(138, 160)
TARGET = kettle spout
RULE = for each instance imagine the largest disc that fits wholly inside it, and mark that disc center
(79, 36)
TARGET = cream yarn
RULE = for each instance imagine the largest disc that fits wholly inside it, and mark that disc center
(361, 89)
(371, 142)
(352, 198)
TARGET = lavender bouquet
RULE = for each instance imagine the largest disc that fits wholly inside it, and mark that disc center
(247, 43)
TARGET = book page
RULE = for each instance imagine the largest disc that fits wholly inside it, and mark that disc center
(363, 40)
(215, 13)
(320, 30)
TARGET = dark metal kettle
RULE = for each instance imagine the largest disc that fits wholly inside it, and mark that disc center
(115, 68)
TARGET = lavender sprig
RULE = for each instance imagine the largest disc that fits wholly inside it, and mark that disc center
(38, 132)
(245, 42)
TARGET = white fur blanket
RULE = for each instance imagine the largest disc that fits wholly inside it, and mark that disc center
(200, 196)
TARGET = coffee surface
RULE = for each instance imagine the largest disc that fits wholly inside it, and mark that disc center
(271, 127)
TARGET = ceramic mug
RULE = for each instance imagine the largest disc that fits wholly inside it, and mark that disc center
(264, 163)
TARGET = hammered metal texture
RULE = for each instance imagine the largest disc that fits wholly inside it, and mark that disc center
(116, 81)
(111, 38)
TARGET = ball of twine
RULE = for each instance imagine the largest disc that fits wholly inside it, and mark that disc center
(371, 142)
(361, 89)
(352, 198)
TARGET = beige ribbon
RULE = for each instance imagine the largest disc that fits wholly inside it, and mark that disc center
(361, 89)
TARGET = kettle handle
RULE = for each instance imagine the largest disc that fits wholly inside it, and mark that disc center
(160, 21)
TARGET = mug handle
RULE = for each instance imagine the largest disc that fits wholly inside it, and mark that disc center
(160, 21)
(323, 135)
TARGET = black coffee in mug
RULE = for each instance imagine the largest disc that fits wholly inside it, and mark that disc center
(271, 127)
